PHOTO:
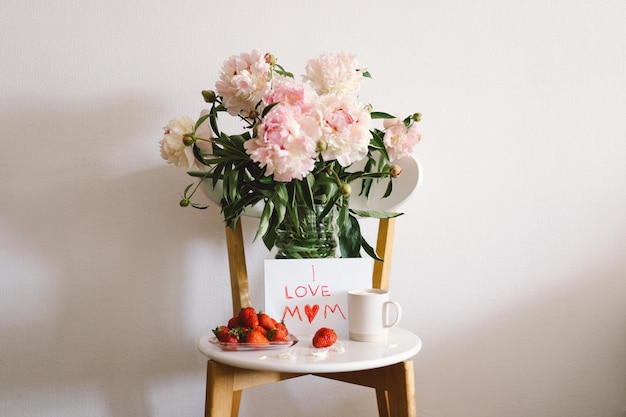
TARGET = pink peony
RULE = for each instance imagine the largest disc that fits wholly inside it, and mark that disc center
(286, 143)
(334, 74)
(243, 82)
(345, 129)
(287, 91)
(399, 140)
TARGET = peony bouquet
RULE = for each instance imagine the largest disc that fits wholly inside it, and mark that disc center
(302, 143)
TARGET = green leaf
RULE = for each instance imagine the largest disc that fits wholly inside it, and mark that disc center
(187, 189)
(200, 174)
(213, 121)
(199, 207)
(366, 187)
(343, 214)
(200, 121)
(268, 108)
(389, 189)
(376, 214)
(280, 200)
(350, 238)
(329, 204)
(217, 174)
(280, 70)
(269, 238)
(264, 222)
(369, 250)
(197, 153)
(381, 115)
(377, 141)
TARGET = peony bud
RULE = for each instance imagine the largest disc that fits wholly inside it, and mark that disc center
(321, 146)
(188, 140)
(417, 117)
(253, 114)
(346, 190)
(395, 170)
(209, 96)
(184, 202)
(270, 59)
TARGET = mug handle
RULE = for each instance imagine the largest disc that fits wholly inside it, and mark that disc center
(386, 316)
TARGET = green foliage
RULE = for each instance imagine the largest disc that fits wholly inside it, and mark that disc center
(245, 184)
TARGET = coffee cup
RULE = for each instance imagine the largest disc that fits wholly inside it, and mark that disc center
(369, 317)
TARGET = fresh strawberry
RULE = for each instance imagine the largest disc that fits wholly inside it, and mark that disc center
(278, 335)
(266, 321)
(220, 332)
(255, 336)
(225, 335)
(282, 326)
(261, 329)
(248, 317)
(239, 333)
(324, 337)
(233, 322)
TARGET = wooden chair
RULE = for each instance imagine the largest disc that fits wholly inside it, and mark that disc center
(394, 383)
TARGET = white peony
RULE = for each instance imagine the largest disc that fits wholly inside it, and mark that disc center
(334, 74)
(173, 150)
(243, 82)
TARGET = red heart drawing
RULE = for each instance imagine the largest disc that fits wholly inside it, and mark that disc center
(311, 311)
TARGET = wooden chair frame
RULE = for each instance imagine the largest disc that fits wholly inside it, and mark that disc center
(394, 384)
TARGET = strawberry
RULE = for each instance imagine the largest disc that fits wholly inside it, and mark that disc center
(261, 329)
(282, 326)
(225, 335)
(239, 333)
(266, 321)
(278, 335)
(255, 336)
(324, 337)
(248, 317)
(233, 322)
(220, 332)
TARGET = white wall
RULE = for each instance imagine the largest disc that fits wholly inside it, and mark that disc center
(510, 261)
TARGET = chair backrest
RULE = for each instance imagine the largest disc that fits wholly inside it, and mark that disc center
(239, 274)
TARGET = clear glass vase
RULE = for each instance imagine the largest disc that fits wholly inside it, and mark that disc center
(312, 236)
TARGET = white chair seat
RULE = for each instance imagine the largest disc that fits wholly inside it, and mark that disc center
(344, 356)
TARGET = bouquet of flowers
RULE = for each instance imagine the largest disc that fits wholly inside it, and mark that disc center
(302, 144)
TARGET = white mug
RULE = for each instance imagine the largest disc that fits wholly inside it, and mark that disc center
(368, 314)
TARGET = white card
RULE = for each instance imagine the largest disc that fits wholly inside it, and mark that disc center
(311, 293)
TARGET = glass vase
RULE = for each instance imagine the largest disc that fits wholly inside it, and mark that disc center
(312, 236)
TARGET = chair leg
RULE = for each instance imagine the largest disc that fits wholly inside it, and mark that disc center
(401, 390)
(383, 402)
(234, 412)
(220, 395)
(394, 385)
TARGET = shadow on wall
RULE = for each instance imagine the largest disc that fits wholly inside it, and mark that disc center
(555, 356)
(95, 263)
